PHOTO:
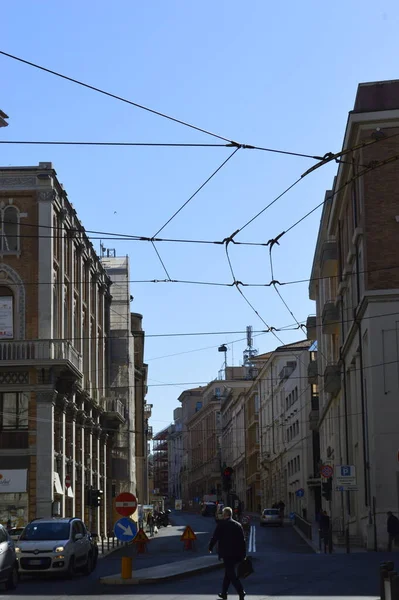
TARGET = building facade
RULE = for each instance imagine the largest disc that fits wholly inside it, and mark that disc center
(191, 402)
(289, 447)
(160, 465)
(205, 431)
(355, 284)
(59, 421)
(175, 455)
(122, 372)
(143, 410)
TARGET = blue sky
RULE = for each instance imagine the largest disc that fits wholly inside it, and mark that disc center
(279, 75)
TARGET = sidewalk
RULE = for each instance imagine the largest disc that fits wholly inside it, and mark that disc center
(166, 572)
(314, 543)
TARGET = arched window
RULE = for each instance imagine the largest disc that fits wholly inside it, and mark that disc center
(9, 229)
(6, 313)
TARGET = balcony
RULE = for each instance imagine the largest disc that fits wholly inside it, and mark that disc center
(114, 411)
(287, 371)
(330, 317)
(147, 411)
(332, 378)
(311, 327)
(40, 353)
(312, 371)
(149, 432)
(329, 258)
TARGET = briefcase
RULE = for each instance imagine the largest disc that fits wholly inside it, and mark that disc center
(245, 568)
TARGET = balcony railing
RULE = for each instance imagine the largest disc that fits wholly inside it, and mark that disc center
(40, 350)
(147, 410)
(330, 317)
(114, 409)
(329, 258)
(332, 378)
(311, 327)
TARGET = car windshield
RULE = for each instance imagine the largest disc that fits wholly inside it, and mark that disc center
(46, 531)
(271, 511)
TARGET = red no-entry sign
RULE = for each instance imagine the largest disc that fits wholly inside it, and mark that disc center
(68, 481)
(125, 504)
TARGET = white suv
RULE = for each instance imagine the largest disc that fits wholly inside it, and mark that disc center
(55, 545)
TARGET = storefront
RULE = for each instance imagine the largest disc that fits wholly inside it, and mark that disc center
(13, 497)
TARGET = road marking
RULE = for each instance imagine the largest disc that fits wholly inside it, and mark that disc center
(252, 539)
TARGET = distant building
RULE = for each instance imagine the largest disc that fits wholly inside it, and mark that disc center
(191, 402)
(175, 455)
(205, 435)
(286, 406)
(160, 464)
(122, 372)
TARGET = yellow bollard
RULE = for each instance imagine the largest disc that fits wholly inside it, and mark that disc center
(126, 569)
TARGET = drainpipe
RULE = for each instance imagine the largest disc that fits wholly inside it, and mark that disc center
(366, 464)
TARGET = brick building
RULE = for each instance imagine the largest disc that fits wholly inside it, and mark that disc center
(355, 283)
(58, 419)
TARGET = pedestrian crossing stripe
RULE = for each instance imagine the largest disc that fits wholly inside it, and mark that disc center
(188, 534)
(140, 537)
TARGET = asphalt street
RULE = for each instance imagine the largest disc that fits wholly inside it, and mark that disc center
(285, 568)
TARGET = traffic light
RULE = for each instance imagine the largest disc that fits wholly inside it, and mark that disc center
(326, 489)
(227, 473)
(95, 498)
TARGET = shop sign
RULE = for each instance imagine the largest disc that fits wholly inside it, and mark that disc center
(12, 482)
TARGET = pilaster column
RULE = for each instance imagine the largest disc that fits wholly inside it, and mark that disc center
(72, 414)
(45, 401)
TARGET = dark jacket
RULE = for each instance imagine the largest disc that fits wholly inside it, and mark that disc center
(393, 525)
(229, 536)
(324, 523)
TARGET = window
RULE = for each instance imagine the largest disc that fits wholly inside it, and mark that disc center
(6, 314)
(14, 410)
(9, 230)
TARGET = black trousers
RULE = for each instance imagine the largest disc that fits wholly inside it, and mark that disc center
(230, 576)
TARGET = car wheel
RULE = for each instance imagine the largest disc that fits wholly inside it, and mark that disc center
(12, 581)
(71, 567)
(88, 568)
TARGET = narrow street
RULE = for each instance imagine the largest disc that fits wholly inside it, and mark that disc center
(285, 567)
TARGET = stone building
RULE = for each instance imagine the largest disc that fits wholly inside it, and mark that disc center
(175, 455)
(58, 419)
(355, 283)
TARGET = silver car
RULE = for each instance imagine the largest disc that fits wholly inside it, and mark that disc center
(271, 516)
(8, 561)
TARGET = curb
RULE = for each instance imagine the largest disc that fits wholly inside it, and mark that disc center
(117, 580)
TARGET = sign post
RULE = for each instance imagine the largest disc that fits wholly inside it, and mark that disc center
(125, 504)
(345, 478)
(188, 537)
(141, 539)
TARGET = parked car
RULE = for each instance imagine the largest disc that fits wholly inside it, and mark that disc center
(55, 546)
(208, 509)
(271, 516)
(8, 560)
(219, 512)
(15, 532)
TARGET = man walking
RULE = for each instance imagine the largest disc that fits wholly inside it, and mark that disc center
(392, 529)
(232, 549)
